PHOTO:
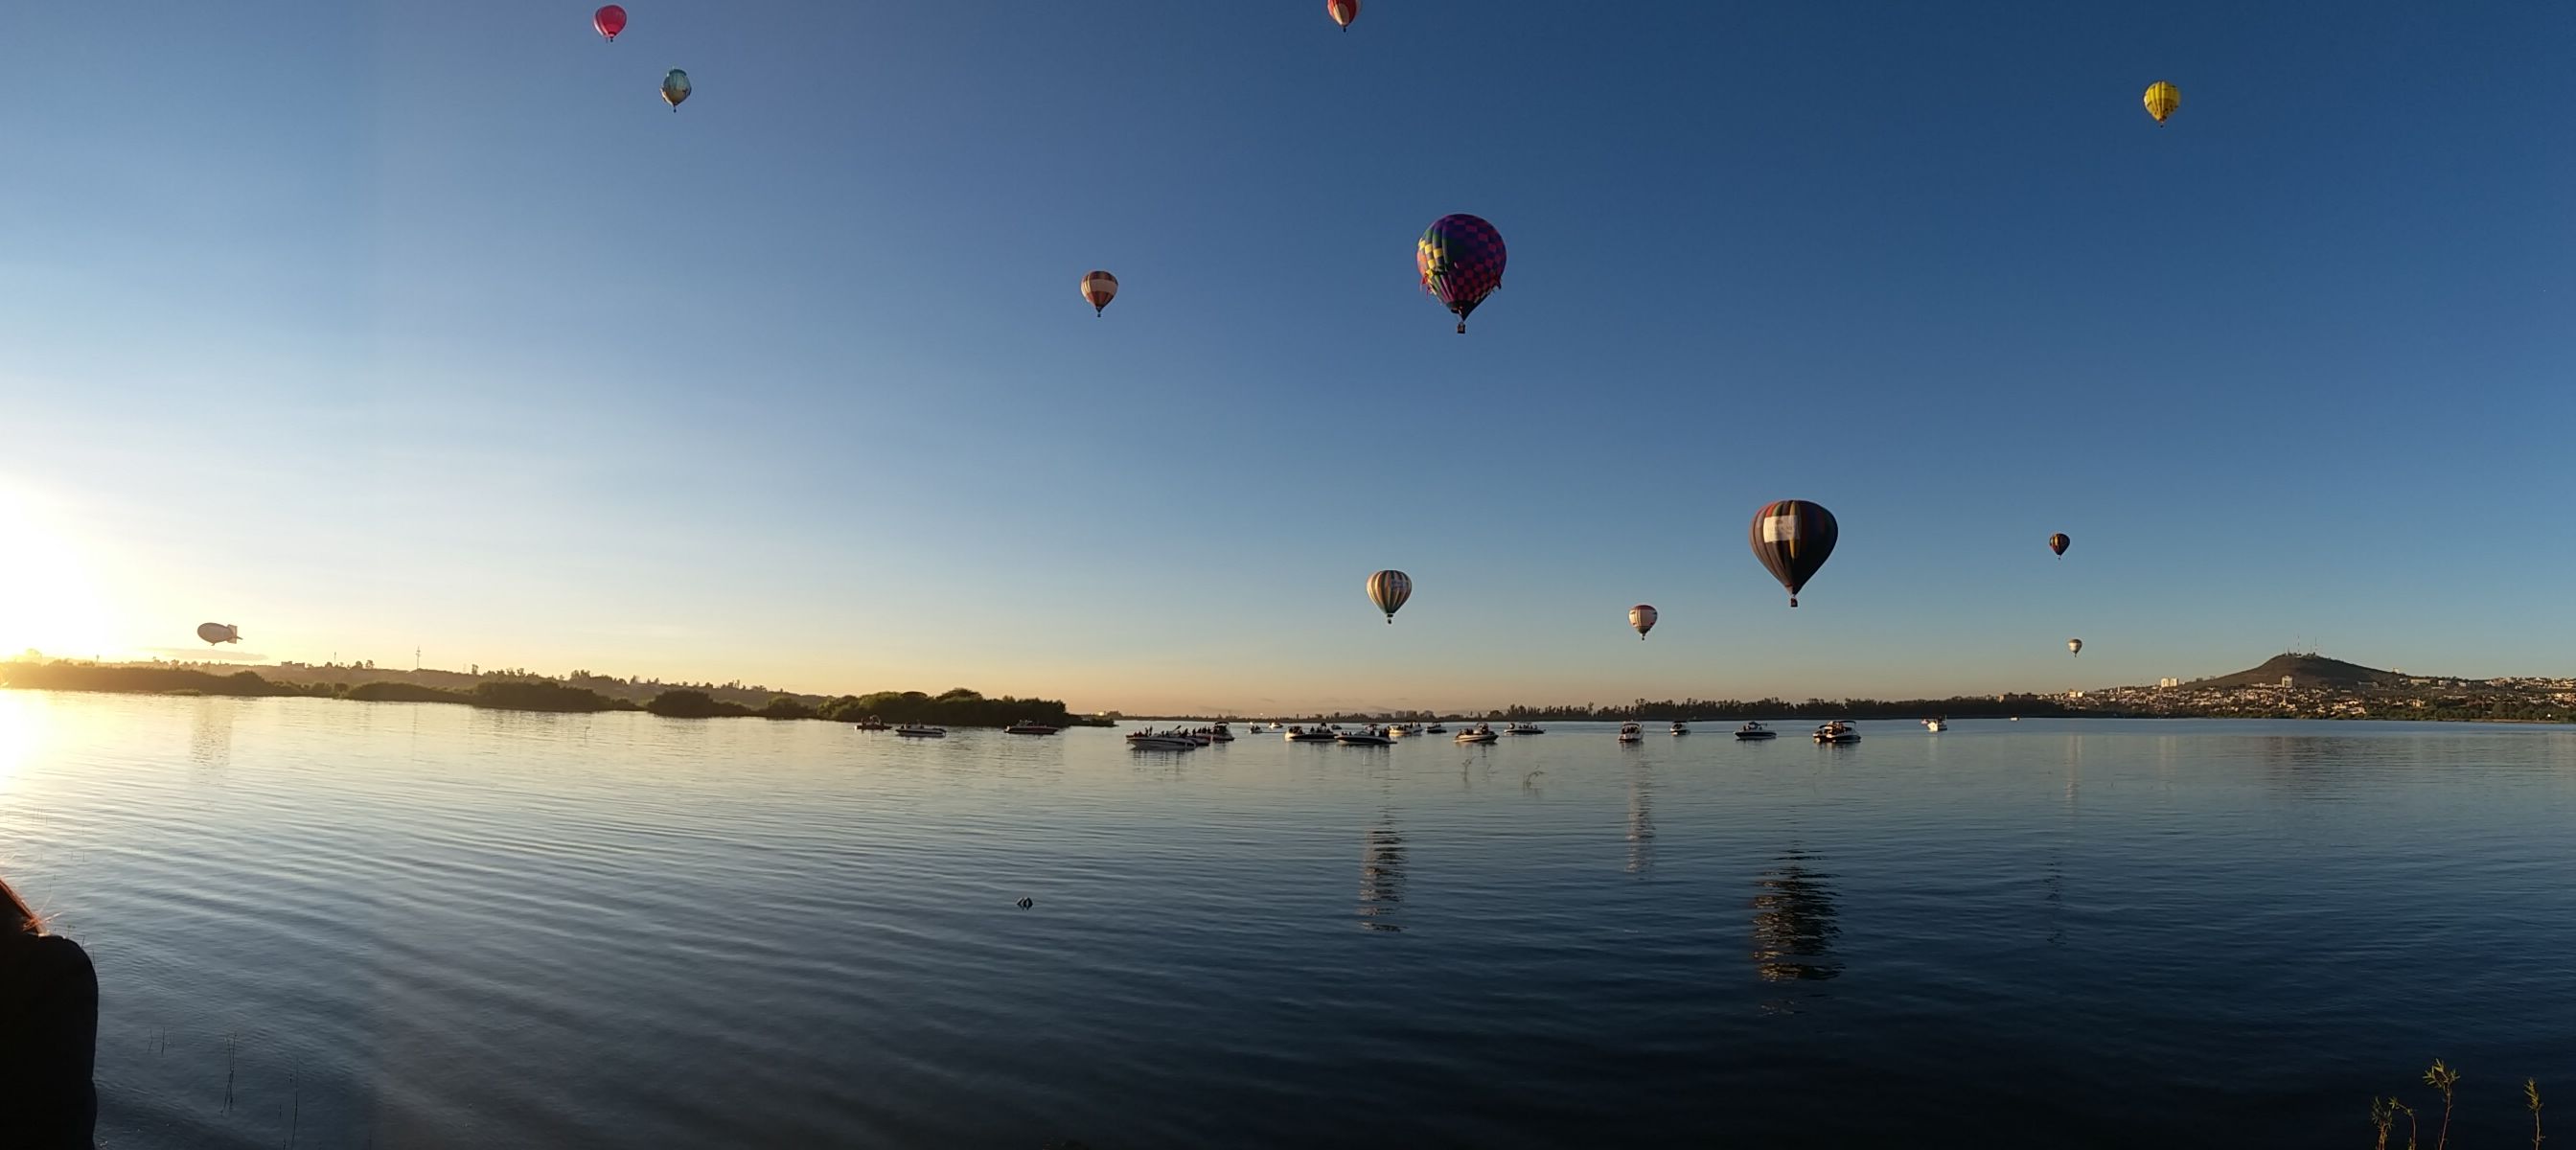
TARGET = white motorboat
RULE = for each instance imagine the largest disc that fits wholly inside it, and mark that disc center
(1628, 733)
(1680, 727)
(1837, 732)
(1480, 733)
(918, 731)
(1435, 729)
(1936, 726)
(1221, 734)
(1150, 740)
(1028, 727)
(1303, 735)
(1524, 729)
(1753, 731)
(1398, 730)
(1364, 737)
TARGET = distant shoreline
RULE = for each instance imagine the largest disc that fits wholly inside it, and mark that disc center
(956, 708)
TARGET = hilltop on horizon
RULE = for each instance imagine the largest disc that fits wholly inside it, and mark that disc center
(2309, 669)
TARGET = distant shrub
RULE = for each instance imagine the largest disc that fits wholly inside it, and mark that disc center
(786, 707)
(692, 705)
(141, 680)
(543, 695)
(382, 692)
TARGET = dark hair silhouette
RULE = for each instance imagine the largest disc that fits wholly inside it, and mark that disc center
(16, 917)
(48, 1033)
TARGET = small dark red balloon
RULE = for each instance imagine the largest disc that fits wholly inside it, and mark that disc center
(610, 21)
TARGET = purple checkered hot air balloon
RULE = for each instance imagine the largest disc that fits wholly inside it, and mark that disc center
(1461, 260)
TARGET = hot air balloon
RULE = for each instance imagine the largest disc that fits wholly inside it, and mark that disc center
(1389, 590)
(610, 21)
(1098, 288)
(1342, 11)
(219, 632)
(1641, 617)
(2162, 99)
(2075, 646)
(1461, 260)
(2058, 542)
(1793, 538)
(675, 88)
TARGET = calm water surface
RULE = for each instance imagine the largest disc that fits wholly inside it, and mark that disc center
(349, 924)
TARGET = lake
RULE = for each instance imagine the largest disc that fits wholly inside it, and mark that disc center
(397, 925)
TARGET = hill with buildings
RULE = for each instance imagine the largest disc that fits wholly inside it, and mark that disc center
(2311, 686)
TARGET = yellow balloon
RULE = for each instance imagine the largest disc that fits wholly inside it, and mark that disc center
(2162, 99)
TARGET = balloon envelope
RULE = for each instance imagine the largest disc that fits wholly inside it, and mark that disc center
(2058, 542)
(675, 88)
(2162, 99)
(609, 21)
(1793, 538)
(1642, 617)
(1342, 11)
(1098, 288)
(1389, 590)
(1461, 260)
(2075, 646)
(219, 632)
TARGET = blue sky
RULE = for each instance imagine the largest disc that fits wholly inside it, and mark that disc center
(374, 326)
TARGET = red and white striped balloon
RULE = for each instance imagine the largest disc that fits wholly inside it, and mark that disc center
(1098, 288)
(1641, 617)
(1342, 11)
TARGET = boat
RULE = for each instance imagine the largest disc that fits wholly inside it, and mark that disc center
(1221, 734)
(1837, 732)
(1025, 727)
(1524, 729)
(1755, 731)
(919, 731)
(1628, 733)
(1152, 740)
(1680, 727)
(1302, 735)
(1365, 737)
(1435, 729)
(1397, 730)
(873, 723)
(1480, 733)
(1276, 727)
(1936, 726)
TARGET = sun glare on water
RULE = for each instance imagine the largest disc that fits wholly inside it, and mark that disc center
(48, 601)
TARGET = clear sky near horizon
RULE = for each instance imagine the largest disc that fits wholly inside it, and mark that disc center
(373, 326)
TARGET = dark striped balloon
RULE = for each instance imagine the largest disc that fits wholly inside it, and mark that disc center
(1389, 590)
(1793, 538)
(1461, 261)
(2058, 542)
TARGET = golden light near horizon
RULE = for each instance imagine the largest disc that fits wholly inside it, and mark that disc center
(21, 729)
(48, 599)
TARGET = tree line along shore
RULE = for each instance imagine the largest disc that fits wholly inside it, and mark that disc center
(956, 708)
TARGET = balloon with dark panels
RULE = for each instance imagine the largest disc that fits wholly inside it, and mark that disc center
(1793, 538)
(1389, 590)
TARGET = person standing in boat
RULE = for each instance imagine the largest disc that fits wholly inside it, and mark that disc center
(48, 1034)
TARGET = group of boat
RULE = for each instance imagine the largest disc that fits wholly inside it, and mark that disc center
(1179, 738)
(927, 731)
(1372, 735)
(1837, 731)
